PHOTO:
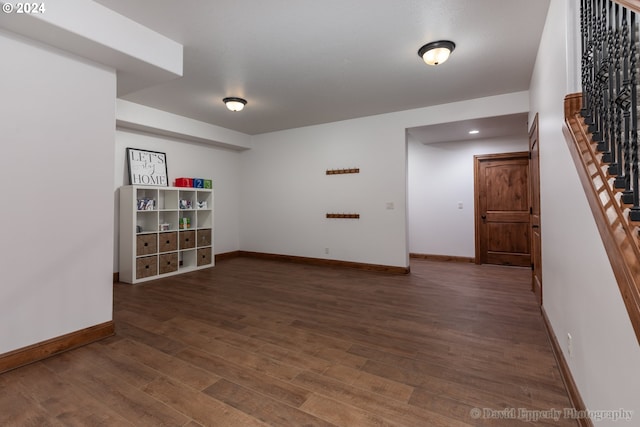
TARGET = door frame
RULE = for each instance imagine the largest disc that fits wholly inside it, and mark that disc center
(536, 214)
(477, 159)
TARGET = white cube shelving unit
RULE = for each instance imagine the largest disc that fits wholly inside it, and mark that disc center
(164, 231)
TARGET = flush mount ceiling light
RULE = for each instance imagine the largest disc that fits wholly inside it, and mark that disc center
(235, 104)
(435, 53)
(474, 131)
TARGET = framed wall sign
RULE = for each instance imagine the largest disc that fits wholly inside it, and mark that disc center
(147, 167)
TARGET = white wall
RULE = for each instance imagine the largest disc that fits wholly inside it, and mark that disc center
(440, 176)
(56, 173)
(581, 296)
(286, 193)
(188, 159)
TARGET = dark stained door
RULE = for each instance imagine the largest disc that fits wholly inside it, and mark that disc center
(536, 239)
(502, 209)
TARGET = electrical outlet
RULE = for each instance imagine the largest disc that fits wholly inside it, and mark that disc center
(326, 251)
(570, 345)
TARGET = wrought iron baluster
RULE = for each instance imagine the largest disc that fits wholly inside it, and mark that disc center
(609, 81)
(624, 100)
(592, 28)
(617, 142)
(597, 59)
(607, 144)
(587, 58)
(634, 213)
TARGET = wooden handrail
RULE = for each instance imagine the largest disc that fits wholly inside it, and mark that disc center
(630, 4)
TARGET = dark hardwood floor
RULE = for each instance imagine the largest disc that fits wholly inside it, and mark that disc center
(255, 342)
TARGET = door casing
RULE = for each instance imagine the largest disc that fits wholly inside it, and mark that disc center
(536, 230)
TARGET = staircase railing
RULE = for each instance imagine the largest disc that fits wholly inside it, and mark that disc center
(602, 130)
(609, 82)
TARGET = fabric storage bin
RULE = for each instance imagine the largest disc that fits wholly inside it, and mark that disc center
(204, 237)
(187, 239)
(204, 256)
(146, 266)
(168, 242)
(146, 244)
(168, 263)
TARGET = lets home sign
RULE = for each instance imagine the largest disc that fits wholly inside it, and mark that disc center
(147, 167)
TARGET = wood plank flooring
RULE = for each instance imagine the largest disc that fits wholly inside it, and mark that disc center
(265, 343)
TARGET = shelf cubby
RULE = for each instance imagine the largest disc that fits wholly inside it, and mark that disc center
(204, 219)
(146, 221)
(167, 199)
(188, 259)
(167, 220)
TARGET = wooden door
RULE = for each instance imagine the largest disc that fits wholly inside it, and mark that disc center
(536, 236)
(502, 209)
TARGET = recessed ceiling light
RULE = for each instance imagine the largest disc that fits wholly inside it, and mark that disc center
(473, 132)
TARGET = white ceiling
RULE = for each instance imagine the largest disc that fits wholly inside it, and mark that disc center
(509, 125)
(307, 62)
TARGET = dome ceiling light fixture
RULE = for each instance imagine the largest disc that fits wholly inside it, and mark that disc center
(234, 104)
(436, 53)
